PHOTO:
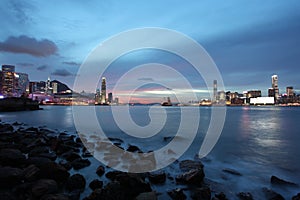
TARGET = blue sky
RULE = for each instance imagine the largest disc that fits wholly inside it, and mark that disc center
(248, 40)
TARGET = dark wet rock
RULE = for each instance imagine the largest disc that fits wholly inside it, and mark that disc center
(272, 195)
(23, 190)
(7, 196)
(44, 186)
(86, 154)
(6, 128)
(177, 194)
(70, 156)
(31, 173)
(133, 148)
(187, 165)
(55, 197)
(12, 157)
(168, 138)
(74, 195)
(10, 176)
(17, 123)
(52, 156)
(38, 161)
(37, 150)
(32, 129)
(118, 140)
(112, 175)
(147, 196)
(245, 196)
(203, 193)
(75, 182)
(279, 181)
(80, 163)
(54, 171)
(129, 181)
(100, 170)
(96, 184)
(221, 196)
(232, 171)
(157, 177)
(66, 164)
(296, 197)
(194, 177)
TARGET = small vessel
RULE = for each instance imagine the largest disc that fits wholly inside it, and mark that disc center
(167, 103)
(18, 104)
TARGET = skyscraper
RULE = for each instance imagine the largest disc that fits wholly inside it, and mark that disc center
(21, 84)
(110, 97)
(103, 91)
(8, 80)
(215, 91)
(275, 86)
(290, 91)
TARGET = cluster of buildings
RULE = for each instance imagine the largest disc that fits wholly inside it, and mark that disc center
(101, 98)
(254, 97)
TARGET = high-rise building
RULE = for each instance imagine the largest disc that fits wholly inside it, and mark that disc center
(290, 91)
(103, 91)
(8, 80)
(253, 93)
(97, 97)
(21, 84)
(275, 86)
(54, 88)
(110, 97)
(215, 91)
(271, 92)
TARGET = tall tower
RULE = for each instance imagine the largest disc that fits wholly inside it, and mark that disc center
(103, 91)
(275, 86)
(215, 90)
(8, 80)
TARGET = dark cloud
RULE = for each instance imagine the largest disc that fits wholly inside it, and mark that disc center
(26, 64)
(71, 63)
(61, 72)
(42, 67)
(28, 45)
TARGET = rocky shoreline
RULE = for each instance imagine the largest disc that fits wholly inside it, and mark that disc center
(38, 163)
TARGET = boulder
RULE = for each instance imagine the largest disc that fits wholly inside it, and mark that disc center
(278, 181)
(70, 156)
(31, 173)
(157, 177)
(80, 163)
(203, 193)
(245, 196)
(221, 196)
(10, 176)
(177, 194)
(133, 148)
(6, 128)
(7, 196)
(44, 186)
(12, 157)
(187, 165)
(37, 150)
(54, 171)
(296, 197)
(193, 177)
(232, 171)
(272, 195)
(147, 196)
(38, 161)
(75, 182)
(100, 170)
(55, 197)
(96, 184)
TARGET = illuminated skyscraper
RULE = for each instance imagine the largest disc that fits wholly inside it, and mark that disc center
(8, 80)
(103, 91)
(21, 84)
(215, 91)
(275, 86)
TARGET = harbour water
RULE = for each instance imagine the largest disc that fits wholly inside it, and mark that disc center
(257, 142)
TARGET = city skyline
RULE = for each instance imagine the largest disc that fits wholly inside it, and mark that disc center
(248, 42)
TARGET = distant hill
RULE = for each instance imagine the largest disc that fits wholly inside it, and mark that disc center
(61, 87)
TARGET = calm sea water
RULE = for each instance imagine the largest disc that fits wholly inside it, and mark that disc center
(258, 142)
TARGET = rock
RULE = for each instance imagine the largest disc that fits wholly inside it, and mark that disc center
(147, 196)
(96, 184)
(100, 170)
(7, 196)
(65, 164)
(112, 175)
(6, 128)
(80, 163)
(177, 194)
(203, 193)
(272, 195)
(133, 148)
(38, 161)
(12, 157)
(54, 171)
(187, 165)
(157, 178)
(278, 181)
(74, 195)
(44, 186)
(52, 156)
(245, 196)
(112, 191)
(296, 197)
(37, 150)
(10, 176)
(55, 197)
(70, 156)
(221, 196)
(31, 173)
(232, 171)
(194, 177)
(75, 182)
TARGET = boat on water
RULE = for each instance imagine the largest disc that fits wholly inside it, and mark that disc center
(18, 104)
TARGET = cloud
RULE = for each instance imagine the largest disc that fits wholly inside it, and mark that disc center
(28, 45)
(71, 63)
(26, 64)
(21, 10)
(61, 72)
(42, 67)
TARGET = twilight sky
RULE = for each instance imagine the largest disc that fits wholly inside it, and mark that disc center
(248, 40)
